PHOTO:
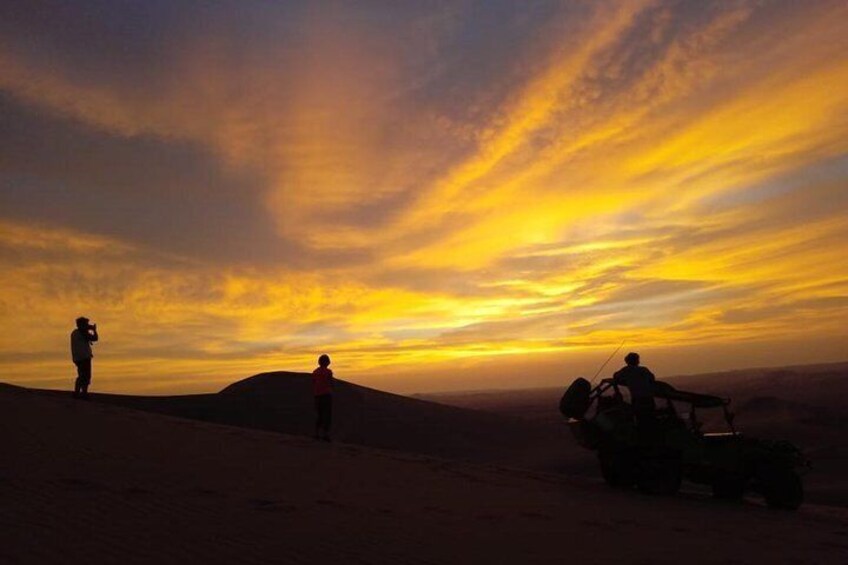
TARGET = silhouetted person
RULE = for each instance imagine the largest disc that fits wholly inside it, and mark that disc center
(322, 388)
(640, 382)
(81, 340)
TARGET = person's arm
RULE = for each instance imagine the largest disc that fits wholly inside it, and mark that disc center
(618, 377)
(92, 334)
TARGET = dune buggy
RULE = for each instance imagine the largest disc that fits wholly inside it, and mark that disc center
(657, 453)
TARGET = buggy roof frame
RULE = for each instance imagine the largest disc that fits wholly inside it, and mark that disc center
(666, 391)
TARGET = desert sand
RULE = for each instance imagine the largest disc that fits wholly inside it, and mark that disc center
(282, 402)
(96, 482)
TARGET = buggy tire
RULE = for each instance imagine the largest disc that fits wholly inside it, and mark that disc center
(728, 488)
(782, 489)
(617, 467)
(660, 476)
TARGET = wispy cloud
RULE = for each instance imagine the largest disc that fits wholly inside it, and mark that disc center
(230, 191)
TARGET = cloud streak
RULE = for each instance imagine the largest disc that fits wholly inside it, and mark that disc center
(414, 185)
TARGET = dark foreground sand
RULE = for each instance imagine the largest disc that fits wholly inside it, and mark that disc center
(86, 482)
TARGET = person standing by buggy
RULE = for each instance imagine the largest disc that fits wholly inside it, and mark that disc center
(640, 382)
(81, 340)
(322, 388)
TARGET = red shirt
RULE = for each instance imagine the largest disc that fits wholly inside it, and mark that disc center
(321, 379)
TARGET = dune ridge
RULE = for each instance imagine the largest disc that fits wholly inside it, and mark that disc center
(282, 402)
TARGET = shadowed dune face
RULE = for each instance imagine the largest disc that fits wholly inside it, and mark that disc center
(523, 428)
(283, 402)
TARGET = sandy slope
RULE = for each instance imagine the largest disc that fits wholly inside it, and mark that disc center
(283, 402)
(96, 483)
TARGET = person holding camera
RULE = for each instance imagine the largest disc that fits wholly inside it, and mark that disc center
(81, 340)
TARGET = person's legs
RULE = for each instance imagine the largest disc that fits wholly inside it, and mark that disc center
(78, 381)
(85, 376)
(317, 417)
(328, 415)
(323, 407)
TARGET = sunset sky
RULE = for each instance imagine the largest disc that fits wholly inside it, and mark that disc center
(440, 195)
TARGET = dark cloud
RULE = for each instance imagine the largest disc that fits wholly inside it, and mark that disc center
(174, 197)
(133, 43)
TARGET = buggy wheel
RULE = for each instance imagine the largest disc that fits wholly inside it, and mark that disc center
(728, 488)
(660, 475)
(782, 489)
(617, 467)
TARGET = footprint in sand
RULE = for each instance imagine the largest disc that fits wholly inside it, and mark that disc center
(76, 483)
(623, 522)
(205, 492)
(595, 524)
(271, 505)
(137, 491)
(328, 502)
(437, 510)
(537, 516)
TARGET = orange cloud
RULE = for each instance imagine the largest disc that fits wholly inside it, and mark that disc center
(642, 170)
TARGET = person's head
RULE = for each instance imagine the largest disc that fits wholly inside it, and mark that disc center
(324, 360)
(632, 359)
(82, 323)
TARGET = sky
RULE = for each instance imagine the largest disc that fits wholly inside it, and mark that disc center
(440, 195)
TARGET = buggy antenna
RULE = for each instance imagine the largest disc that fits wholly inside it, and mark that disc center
(620, 345)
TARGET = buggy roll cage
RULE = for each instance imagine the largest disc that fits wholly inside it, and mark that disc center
(665, 391)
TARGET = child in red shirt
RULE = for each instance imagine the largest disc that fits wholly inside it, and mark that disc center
(322, 388)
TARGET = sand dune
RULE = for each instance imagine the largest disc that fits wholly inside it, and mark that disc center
(90, 482)
(282, 402)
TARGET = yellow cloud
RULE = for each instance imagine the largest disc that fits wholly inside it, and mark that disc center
(634, 186)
